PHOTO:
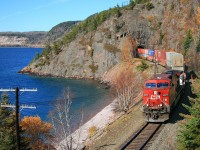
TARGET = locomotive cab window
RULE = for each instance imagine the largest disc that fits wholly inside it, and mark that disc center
(162, 85)
(150, 85)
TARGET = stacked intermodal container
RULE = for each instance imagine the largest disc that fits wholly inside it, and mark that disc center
(170, 59)
(175, 60)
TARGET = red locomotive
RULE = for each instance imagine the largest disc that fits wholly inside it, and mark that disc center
(162, 92)
(160, 96)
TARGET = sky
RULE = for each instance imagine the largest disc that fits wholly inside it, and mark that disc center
(42, 15)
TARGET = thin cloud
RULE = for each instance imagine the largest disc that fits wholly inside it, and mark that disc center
(13, 15)
(50, 4)
(61, 1)
(42, 6)
(4, 18)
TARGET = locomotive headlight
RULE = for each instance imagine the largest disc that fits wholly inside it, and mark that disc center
(160, 105)
(147, 105)
(165, 99)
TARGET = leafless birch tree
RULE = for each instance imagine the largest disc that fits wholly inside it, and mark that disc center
(61, 121)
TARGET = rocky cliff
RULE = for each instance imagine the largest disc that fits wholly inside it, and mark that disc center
(22, 39)
(158, 24)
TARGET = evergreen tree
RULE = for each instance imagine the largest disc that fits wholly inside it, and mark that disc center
(141, 1)
(37, 56)
(7, 127)
(116, 11)
(131, 4)
(189, 136)
(198, 46)
(187, 42)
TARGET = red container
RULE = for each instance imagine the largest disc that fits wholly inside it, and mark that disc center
(141, 52)
(146, 53)
(160, 57)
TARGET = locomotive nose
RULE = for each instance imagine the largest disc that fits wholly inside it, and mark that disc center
(157, 93)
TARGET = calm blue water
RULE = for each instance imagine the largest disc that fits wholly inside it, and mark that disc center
(88, 96)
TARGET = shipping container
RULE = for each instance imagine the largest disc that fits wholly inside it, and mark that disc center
(141, 52)
(160, 56)
(175, 60)
(151, 54)
(146, 53)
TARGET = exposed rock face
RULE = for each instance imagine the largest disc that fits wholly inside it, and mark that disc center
(95, 53)
(88, 56)
(24, 39)
(14, 40)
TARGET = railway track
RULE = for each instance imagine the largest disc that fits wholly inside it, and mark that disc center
(140, 139)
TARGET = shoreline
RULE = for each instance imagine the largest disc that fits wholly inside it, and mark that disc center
(81, 136)
(1, 46)
(20, 47)
(100, 81)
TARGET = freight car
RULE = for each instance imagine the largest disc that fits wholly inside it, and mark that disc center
(171, 60)
(162, 92)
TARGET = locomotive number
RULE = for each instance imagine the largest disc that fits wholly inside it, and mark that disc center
(155, 96)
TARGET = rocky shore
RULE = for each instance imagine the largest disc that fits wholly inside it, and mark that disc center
(101, 122)
(27, 70)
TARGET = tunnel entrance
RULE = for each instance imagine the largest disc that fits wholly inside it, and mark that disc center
(135, 52)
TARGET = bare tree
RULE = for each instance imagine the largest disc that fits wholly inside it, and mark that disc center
(127, 88)
(61, 120)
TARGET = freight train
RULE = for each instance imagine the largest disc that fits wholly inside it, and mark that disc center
(171, 60)
(162, 92)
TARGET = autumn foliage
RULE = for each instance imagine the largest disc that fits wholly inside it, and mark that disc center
(128, 49)
(127, 88)
(36, 132)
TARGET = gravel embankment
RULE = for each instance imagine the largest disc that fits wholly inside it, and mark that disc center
(167, 139)
(119, 131)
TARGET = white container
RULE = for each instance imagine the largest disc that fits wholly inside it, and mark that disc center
(175, 60)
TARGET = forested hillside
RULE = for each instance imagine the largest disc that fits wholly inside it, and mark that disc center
(59, 30)
(97, 44)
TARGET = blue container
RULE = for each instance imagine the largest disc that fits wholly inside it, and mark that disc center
(151, 52)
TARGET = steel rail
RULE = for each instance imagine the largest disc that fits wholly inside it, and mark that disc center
(133, 137)
(137, 134)
(144, 144)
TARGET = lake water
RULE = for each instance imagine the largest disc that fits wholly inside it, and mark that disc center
(89, 97)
